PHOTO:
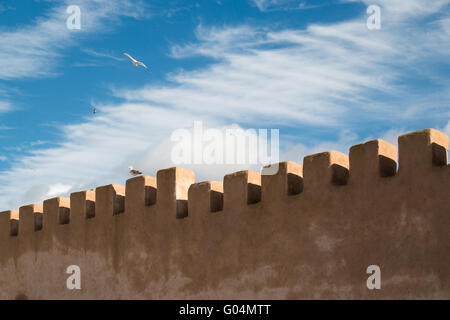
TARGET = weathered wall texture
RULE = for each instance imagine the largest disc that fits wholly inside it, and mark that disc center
(308, 232)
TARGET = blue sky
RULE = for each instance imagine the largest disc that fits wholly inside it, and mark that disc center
(309, 68)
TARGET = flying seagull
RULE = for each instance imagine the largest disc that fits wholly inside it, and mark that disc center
(134, 172)
(135, 62)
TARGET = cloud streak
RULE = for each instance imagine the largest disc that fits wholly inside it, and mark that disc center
(275, 5)
(98, 54)
(5, 106)
(34, 51)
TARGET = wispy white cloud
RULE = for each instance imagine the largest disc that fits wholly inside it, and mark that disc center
(34, 50)
(98, 54)
(392, 135)
(5, 7)
(446, 130)
(273, 5)
(4, 127)
(314, 76)
(334, 77)
(97, 58)
(5, 106)
(57, 189)
(295, 151)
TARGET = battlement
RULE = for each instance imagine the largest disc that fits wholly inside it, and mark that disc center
(309, 231)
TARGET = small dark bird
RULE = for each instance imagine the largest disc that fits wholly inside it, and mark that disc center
(94, 111)
(134, 172)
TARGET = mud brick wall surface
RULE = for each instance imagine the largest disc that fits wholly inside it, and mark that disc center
(307, 232)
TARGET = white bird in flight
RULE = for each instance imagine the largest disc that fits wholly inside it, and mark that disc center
(135, 62)
(134, 172)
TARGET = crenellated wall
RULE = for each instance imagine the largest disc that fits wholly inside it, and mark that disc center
(307, 232)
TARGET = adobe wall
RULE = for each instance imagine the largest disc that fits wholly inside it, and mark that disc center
(308, 232)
